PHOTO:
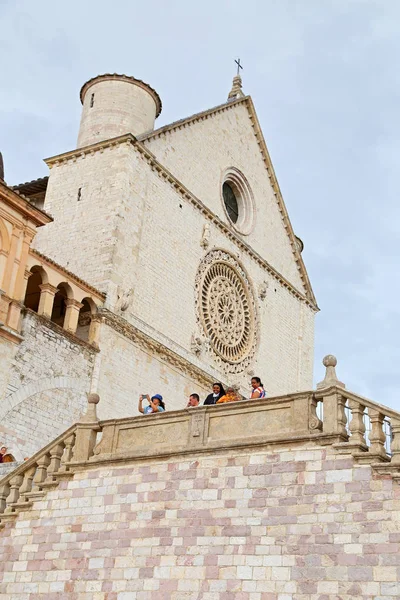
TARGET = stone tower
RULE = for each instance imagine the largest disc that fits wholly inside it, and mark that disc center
(114, 105)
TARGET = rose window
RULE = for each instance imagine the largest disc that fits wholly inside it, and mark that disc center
(225, 311)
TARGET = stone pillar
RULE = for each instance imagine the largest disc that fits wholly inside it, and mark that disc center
(86, 431)
(21, 280)
(14, 315)
(47, 293)
(72, 314)
(12, 255)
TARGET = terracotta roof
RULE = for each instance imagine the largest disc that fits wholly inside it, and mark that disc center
(69, 273)
(31, 187)
(128, 78)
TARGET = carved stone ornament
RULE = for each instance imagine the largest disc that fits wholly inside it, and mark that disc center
(124, 300)
(262, 290)
(205, 238)
(226, 310)
(196, 345)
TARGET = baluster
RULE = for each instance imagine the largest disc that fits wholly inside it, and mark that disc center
(55, 459)
(41, 471)
(357, 425)
(4, 492)
(15, 484)
(67, 454)
(27, 482)
(395, 445)
(377, 436)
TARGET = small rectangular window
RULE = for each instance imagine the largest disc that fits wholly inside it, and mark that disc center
(79, 194)
(92, 101)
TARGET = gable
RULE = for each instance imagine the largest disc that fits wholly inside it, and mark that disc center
(200, 150)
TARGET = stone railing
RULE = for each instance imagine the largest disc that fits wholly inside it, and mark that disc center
(380, 443)
(30, 480)
(282, 420)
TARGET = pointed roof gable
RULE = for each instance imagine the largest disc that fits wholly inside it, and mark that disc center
(247, 101)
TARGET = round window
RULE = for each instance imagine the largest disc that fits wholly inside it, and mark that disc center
(238, 201)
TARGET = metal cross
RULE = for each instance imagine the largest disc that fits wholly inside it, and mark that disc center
(239, 66)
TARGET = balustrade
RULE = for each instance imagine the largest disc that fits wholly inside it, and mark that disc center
(319, 415)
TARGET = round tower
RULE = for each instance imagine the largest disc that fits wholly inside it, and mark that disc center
(114, 105)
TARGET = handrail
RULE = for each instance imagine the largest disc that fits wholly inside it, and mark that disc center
(32, 461)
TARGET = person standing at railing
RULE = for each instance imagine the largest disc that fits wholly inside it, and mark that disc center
(257, 388)
(156, 404)
(217, 393)
(230, 396)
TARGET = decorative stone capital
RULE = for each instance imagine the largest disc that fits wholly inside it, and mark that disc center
(330, 378)
(90, 415)
(74, 303)
(47, 287)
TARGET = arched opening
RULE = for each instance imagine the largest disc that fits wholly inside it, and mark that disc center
(32, 294)
(60, 305)
(85, 319)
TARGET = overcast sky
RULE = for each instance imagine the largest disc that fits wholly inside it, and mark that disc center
(324, 76)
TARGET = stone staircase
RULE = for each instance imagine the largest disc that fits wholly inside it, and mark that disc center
(288, 420)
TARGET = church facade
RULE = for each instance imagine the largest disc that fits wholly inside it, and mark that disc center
(148, 261)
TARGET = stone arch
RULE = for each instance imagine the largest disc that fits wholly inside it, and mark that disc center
(64, 293)
(32, 295)
(86, 313)
(42, 385)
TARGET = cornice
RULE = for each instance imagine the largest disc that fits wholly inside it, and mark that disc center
(22, 205)
(162, 352)
(229, 232)
(128, 79)
(92, 149)
(80, 282)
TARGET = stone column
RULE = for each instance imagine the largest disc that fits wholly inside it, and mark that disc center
(86, 431)
(47, 293)
(72, 314)
(21, 280)
(12, 255)
(14, 315)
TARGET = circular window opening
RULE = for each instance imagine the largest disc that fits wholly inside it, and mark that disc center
(238, 201)
(231, 204)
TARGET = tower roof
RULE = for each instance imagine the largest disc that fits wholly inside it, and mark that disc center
(129, 79)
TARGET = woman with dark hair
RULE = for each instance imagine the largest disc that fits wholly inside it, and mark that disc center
(156, 404)
(217, 393)
(257, 390)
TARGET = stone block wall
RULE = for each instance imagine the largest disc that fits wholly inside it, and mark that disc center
(129, 368)
(199, 154)
(258, 524)
(47, 383)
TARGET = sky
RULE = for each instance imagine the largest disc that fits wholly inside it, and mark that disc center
(324, 76)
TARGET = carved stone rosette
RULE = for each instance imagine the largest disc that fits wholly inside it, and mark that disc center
(226, 310)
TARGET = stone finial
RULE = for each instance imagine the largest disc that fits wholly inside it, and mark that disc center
(90, 415)
(330, 378)
(236, 91)
(1, 167)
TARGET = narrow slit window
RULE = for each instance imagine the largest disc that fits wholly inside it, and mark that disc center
(92, 101)
(79, 194)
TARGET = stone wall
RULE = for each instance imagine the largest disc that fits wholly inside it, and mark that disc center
(199, 154)
(130, 367)
(298, 523)
(47, 384)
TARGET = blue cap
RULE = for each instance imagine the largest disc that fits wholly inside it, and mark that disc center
(158, 396)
